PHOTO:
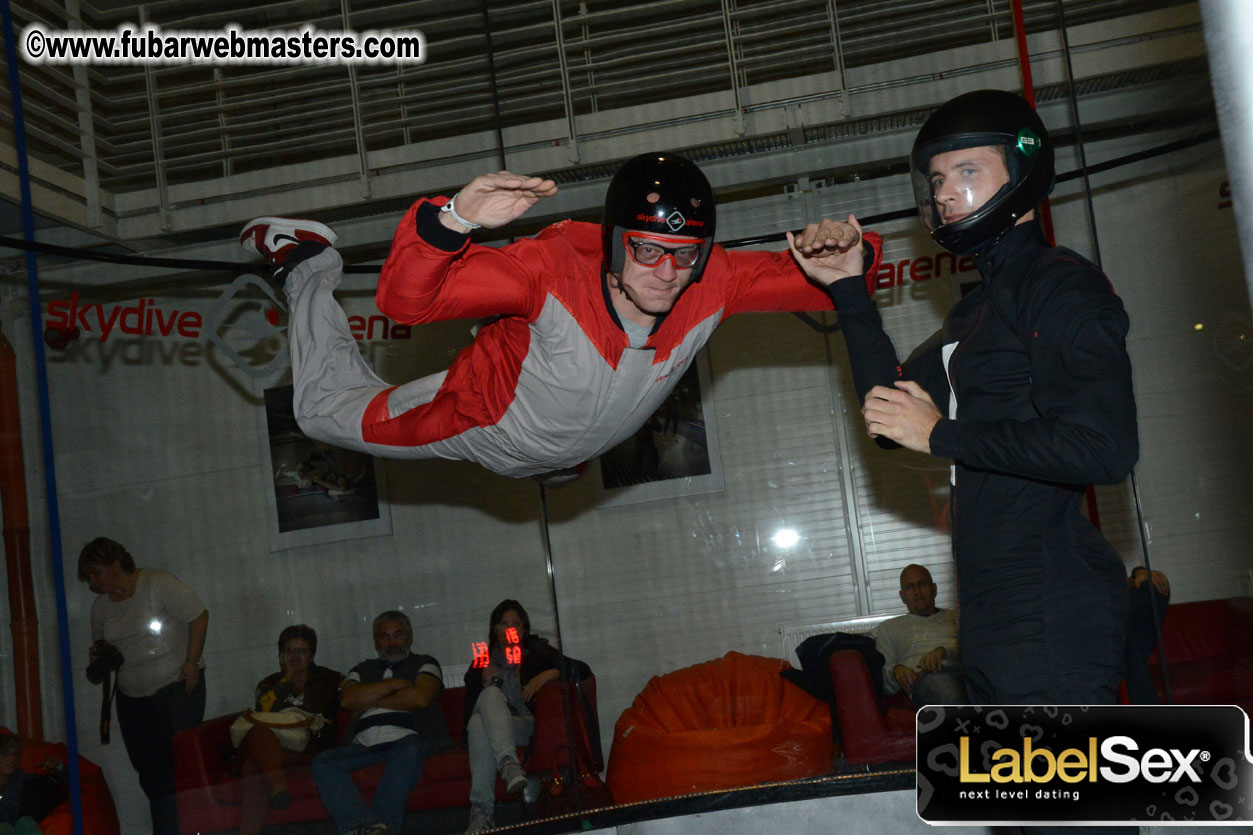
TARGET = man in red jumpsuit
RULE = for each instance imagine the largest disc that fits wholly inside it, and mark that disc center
(597, 324)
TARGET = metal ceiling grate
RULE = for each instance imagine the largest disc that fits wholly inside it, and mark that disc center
(213, 122)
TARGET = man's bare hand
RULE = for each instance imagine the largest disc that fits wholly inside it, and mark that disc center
(933, 661)
(494, 200)
(190, 676)
(829, 250)
(1139, 576)
(904, 414)
(905, 676)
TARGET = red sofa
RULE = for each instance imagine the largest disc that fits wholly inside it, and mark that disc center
(1209, 658)
(1209, 653)
(873, 730)
(209, 792)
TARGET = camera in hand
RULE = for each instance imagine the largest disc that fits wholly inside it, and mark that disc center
(108, 659)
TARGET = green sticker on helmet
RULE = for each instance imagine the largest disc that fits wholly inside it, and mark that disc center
(1028, 143)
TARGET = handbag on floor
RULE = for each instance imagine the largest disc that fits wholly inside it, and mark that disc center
(557, 790)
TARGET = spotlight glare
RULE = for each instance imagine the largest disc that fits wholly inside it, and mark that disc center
(786, 538)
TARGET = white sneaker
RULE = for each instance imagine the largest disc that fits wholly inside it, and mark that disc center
(375, 829)
(481, 820)
(513, 775)
(273, 238)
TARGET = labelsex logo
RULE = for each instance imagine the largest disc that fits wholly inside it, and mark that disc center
(1040, 765)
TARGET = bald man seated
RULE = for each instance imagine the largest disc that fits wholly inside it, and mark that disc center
(920, 648)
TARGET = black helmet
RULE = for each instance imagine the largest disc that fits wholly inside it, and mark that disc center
(659, 193)
(984, 118)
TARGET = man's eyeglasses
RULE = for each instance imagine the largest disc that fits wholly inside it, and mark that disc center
(648, 253)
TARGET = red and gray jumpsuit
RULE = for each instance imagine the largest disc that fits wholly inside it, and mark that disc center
(551, 384)
(1032, 370)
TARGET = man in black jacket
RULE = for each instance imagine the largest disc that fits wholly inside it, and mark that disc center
(1027, 388)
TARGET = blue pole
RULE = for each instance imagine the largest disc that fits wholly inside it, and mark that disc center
(45, 421)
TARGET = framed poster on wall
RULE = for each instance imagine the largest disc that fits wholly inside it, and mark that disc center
(675, 452)
(317, 492)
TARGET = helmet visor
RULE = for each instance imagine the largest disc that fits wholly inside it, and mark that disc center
(963, 178)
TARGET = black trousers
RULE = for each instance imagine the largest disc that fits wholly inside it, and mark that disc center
(148, 726)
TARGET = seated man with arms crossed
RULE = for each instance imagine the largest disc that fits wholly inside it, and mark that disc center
(920, 648)
(398, 721)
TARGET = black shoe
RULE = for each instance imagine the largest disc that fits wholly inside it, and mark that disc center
(301, 252)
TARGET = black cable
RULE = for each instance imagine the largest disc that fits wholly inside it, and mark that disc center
(491, 68)
(565, 667)
(496, 119)
(368, 269)
(816, 325)
(903, 214)
(1086, 173)
(1074, 120)
(233, 267)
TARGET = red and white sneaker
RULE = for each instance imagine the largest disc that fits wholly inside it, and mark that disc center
(274, 238)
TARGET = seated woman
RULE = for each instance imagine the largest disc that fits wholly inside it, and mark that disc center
(499, 686)
(261, 760)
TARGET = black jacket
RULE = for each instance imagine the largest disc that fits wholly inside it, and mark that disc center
(537, 656)
(1044, 406)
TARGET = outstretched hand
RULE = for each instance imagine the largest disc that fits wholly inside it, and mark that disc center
(494, 200)
(905, 414)
(829, 250)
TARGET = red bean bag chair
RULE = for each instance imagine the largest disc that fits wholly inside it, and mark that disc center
(99, 813)
(722, 724)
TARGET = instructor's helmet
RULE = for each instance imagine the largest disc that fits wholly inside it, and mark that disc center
(661, 194)
(984, 118)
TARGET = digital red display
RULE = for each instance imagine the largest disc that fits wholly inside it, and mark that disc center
(513, 652)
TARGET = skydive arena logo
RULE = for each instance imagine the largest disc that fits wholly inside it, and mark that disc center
(1114, 764)
(246, 323)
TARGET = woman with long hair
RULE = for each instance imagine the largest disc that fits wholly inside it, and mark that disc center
(500, 692)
